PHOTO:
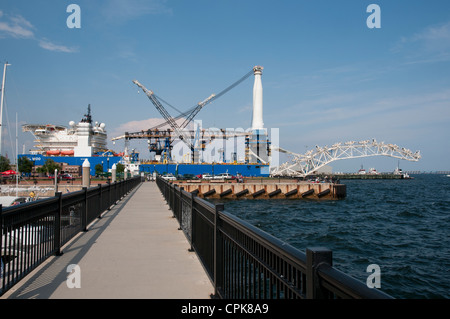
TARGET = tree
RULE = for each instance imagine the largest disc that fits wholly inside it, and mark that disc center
(25, 165)
(98, 169)
(49, 167)
(120, 168)
(4, 164)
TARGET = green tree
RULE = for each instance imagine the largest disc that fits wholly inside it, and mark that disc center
(49, 167)
(4, 164)
(98, 169)
(120, 168)
(25, 165)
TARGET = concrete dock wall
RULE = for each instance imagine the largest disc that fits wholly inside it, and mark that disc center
(258, 190)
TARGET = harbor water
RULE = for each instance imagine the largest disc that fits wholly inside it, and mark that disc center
(403, 226)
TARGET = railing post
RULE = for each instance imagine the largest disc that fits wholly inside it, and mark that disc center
(192, 222)
(2, 284)
(179, 216)
(101, 202)
(218, 260)
(85, 210)
(57, 242)
(109, 195)
(316, 256)
(176, 212)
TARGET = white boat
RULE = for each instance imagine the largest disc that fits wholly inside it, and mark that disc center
(83, 139)
(398, 171)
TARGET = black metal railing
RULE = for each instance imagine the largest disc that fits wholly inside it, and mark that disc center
(34, 231)
(245, 262)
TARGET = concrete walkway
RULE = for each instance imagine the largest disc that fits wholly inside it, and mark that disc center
(134, 251)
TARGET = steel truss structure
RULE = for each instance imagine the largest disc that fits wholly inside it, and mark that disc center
(302, 165)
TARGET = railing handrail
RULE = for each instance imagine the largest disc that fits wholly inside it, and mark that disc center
(272, 242)
(315, 266)
(337, 281)
(8, 211)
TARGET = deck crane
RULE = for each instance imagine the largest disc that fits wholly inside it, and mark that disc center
(188, 115)
(169, 119)
(193, 111)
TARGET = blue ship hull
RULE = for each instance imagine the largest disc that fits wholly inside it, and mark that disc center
(107, 162)
(258, 170)
(213, 169)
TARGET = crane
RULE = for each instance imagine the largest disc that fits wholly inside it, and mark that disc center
(188, 116)
(193, 111)
(169, 119)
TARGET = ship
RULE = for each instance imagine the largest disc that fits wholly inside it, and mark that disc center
(72, 145)
(79, 139)
(87, 139)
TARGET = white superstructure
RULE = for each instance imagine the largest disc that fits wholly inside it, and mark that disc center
(79, 140)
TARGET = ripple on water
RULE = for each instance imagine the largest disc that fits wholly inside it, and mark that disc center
(402, 225)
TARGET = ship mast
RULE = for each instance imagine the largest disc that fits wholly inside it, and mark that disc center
(1, 104)
(87, 117)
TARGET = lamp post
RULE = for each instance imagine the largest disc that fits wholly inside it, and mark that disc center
(1, 104)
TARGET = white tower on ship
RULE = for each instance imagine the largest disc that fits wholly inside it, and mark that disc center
(257, 122)
(257, 143)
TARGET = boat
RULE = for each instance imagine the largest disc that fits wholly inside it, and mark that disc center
(68, 153)
(398, 171)
(361, 171)
(71, 145)
(53, 153)
(79, 139)
(88, 140)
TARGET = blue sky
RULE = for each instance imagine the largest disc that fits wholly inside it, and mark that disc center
(327, 77)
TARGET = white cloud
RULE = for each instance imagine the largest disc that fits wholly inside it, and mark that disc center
(432, 44)
(47, 45)
(16, 26)
(121, 11)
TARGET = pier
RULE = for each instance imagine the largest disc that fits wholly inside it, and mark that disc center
(264, 189)
(133, 251)
(148, 240)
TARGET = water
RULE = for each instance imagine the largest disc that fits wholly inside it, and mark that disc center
(401, 225)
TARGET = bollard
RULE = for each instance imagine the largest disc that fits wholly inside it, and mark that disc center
(86, 173)
(113, 173)
(56, 180)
